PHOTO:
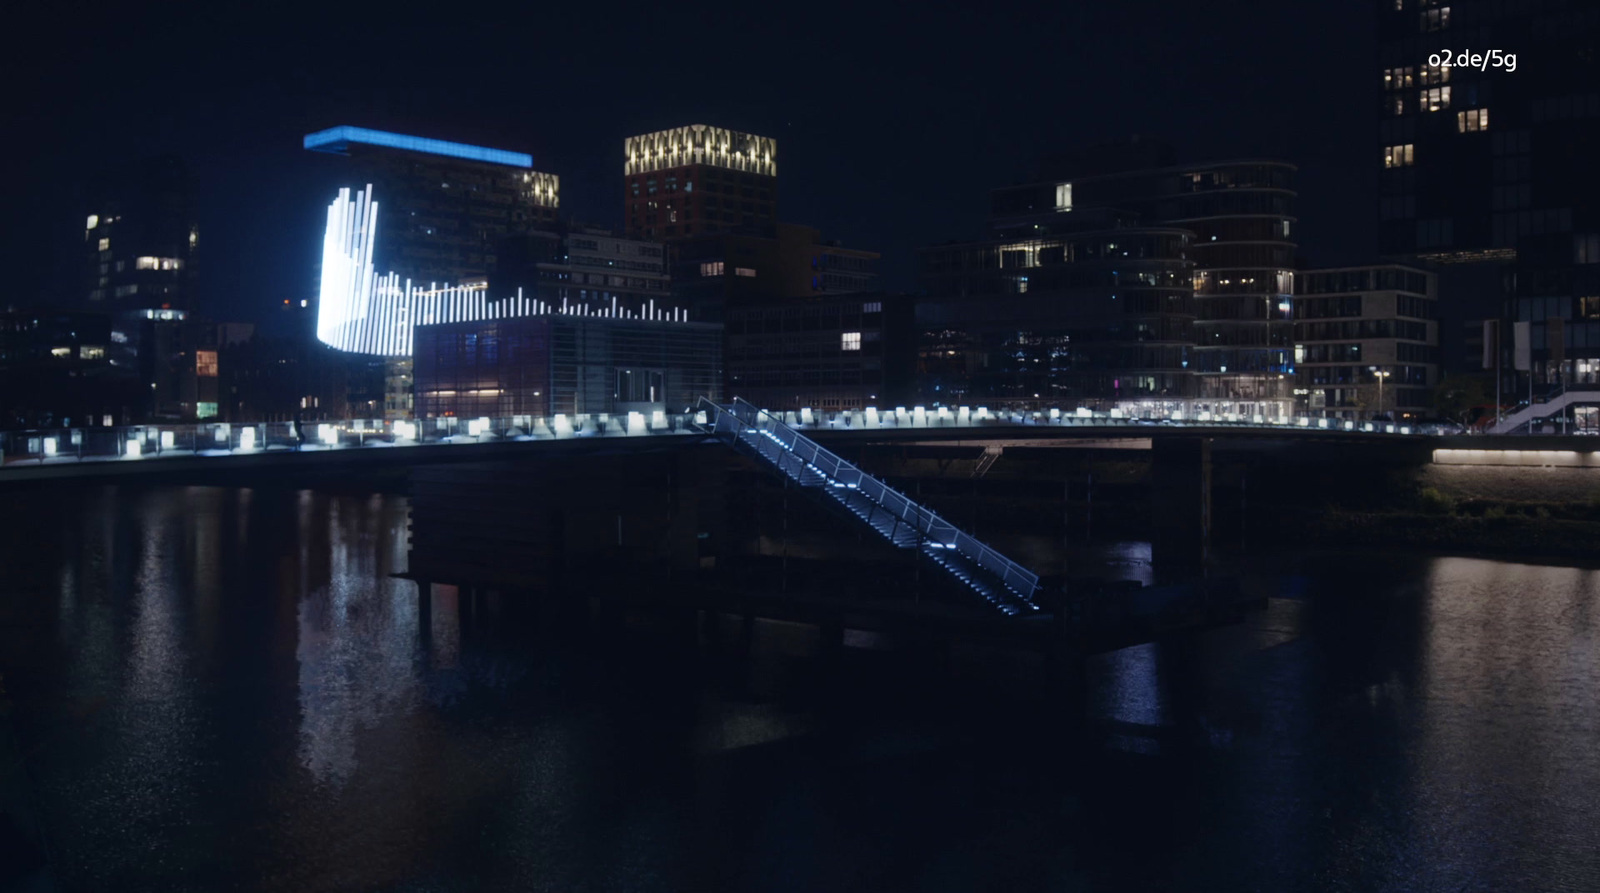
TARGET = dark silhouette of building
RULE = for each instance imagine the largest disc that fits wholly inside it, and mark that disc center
(715, 272)
(823, 352)
(1091, 309)
(694, 180)
(1488, 168)
(575, 264)
(140, 238)
(1241, 214)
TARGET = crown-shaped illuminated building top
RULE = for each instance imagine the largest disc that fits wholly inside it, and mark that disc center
(701, 144)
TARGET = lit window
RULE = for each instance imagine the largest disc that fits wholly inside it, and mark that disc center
(745, 272)
(1022, 285)
(1436, 19)
(194, 236)
(61, 351)
(850, 341)
(158, 263)
(1472, 120)
(105, 244)
(1063, 196)
(205, 410)
(1399, 78)
(94, 221)
(711, 268)
(1434, 74)
(91, 352)
(205, 363)
(1435, 99)
(1399, 156)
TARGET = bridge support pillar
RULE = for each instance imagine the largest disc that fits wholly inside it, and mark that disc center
(425, 609)
(1180, 495)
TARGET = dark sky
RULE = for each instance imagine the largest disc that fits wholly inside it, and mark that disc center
(892, 122)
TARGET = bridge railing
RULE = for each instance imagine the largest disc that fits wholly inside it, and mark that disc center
(97, 443)
(138, 442)
(743, 416)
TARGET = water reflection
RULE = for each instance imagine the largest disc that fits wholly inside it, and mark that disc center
(226, 689)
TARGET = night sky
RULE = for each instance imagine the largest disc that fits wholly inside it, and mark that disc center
(892, 124)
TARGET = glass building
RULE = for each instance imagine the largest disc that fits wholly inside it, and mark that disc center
(446, 205)
(1488, 127)
(560, 363)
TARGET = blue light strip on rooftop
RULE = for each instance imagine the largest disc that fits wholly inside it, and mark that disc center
(334, 139)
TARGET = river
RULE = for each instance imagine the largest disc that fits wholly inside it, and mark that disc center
(229, 689)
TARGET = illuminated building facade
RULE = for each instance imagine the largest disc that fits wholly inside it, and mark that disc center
(1486, 169)
(362, 311)
(565, 363)
(1359, 327)
(1094, 315)
(823, 352)
(446, 205)
(140, 238)
(698, 179)
(1242, 216)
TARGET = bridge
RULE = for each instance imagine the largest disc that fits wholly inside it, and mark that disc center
(130, 450)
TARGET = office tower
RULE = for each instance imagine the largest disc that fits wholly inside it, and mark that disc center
(443, 207)
(1241, 214)
(1366, 341)
(140, 238)
(1489, 126)
(695, 180)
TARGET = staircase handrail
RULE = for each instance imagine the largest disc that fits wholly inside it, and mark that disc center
(742, 413)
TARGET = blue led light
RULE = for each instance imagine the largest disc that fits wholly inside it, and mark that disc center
(336, 139)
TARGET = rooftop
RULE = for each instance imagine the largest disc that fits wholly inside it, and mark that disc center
(336, 140)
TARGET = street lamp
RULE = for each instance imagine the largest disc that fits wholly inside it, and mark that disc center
(1380, 375)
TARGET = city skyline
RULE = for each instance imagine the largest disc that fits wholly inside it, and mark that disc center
(872, 158)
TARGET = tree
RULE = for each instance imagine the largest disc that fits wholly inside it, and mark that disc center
(1457, 396)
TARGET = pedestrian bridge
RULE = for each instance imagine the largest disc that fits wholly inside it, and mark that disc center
(142, 443)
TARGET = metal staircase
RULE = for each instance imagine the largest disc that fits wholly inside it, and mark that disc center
(1005, 585)
(1554, 404)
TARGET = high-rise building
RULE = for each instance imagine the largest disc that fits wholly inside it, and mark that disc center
(694, 180)
(1366, 341)
(1093, 309)
(442, 207)
(1241, 214)
(140, 238)
(1489, 124)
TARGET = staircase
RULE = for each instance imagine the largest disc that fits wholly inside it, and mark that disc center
(1005, 585)
(1573, 393)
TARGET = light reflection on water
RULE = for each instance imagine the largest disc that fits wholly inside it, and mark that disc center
(229, 689)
